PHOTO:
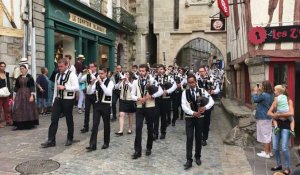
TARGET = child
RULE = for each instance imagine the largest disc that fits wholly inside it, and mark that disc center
(281, 102)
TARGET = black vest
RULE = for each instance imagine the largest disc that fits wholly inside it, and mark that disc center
(100, 91)
(191, 101)
(88, 78)
(62, 82)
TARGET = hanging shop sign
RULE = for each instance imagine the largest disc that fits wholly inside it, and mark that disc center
(259, 35)
(86, 23)
(217, 24)
(224, 7)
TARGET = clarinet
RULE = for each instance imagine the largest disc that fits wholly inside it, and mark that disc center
(146, 90)
(97, 93)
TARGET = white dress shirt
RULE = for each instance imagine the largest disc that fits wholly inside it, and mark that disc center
(185, 104)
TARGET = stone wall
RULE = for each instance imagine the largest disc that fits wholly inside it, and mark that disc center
(194, 22)
(11, 49)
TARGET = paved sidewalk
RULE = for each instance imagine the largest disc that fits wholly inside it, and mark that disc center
(168, 156)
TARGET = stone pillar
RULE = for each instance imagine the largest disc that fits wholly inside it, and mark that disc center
(39, 24)
(256, 68)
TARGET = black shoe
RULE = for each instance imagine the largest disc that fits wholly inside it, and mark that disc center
(90, 149)
(69, 142)
(277, 168)
(163, 136)
(48, 144)
(148, 152)
(136, 155)
(168, 123)
(113, 119)
(105, 146)
(155, 137)
(204, 143)
(188, 165)
(173, 124)
(84, 130)
(119, 133)
(198, 162)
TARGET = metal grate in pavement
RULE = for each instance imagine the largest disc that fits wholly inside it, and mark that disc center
(37, 166)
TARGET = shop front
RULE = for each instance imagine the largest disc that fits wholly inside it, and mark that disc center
(72, 28)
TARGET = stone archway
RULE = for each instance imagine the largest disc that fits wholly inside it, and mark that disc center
(214, 38)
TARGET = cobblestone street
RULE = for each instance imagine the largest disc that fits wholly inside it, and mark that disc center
(168, 156)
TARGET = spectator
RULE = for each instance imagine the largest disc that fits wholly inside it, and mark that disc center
(282, 136)
(42, 91)
(4, 99)
(24, 115)
(263, 96)
(79, 64)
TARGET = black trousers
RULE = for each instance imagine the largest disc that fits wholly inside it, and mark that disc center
(193, 126)
(176, 103)
(89, 101)
(206, 124)
(115, 97)
(65, 107)
(100, 110)
(142, 113)
(164, 105)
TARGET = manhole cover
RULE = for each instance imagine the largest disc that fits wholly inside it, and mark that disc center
(37, 166)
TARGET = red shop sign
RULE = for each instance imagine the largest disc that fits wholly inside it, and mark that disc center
(224, 7)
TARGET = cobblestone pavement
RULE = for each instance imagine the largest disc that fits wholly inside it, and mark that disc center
(168, 156)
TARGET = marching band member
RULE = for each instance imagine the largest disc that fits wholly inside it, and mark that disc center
(126, 104)
(116, 92)
(65, 87)
(145, 109)
(180, 80)
(208, 83)
(168, 84)
(104, 87)
(194, 118)
(90, 95)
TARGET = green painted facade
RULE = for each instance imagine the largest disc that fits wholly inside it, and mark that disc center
(86, 40)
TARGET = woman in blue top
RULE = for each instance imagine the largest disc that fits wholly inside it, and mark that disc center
(263, 96)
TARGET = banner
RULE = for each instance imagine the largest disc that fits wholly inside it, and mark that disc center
(224, 7)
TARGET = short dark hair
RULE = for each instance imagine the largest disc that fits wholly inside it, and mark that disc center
(43, 70)
(203, 67)
(144, 66)
(119, 65)
(134, 66)
(68, 57)
(63, 60)
(103, 68)
(192, 76)
(2, 63)
(159, 66)
(94, 63)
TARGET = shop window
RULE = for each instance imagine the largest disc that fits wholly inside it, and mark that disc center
(280, 74)
(103, 56)
(64, 45)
